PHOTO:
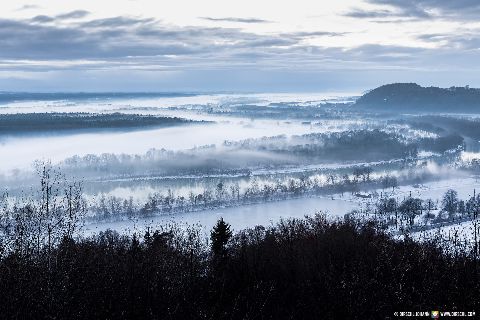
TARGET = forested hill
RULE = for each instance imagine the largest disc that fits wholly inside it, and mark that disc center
(411, 97)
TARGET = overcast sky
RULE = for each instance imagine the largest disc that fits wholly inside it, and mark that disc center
(249, 45)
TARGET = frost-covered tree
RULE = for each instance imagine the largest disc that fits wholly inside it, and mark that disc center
(410, 208)
(450, 202)
(40, 221)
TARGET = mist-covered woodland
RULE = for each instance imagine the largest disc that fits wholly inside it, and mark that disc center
(210, 188)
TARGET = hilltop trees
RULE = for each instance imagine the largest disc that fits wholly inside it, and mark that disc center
(414, 98)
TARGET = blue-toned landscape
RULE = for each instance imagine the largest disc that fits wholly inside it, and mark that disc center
(239, 161)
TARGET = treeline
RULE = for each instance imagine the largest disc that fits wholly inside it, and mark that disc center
(239, 157)
(195, 162)
(347, 145)
(21, 123)
(283, 110)
(223, 194)
(296, 269)
(473, 165)
(441, 144)
(229, 194)
(465, 126)
(450, 208)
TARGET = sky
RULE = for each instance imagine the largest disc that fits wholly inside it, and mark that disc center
(241, 46)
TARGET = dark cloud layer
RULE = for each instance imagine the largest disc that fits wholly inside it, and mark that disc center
(77, 45)
(42, 38)
(133, 41)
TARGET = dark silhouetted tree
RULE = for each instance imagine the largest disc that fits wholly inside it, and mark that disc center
(220, 236)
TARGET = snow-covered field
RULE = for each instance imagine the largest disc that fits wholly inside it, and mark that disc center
(434, 190)
(456, 234)
(334, 206)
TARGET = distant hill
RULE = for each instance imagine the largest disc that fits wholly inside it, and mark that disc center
(411, 97)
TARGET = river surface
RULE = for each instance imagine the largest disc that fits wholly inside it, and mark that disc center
(239, 217)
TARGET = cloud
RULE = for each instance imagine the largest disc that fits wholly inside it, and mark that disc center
(77, 14)
(312, 34)
(458, 40)
(116, 22)
(123, 45)
(42, 19)
(130, 38)
(380, 14)
(121, 37)
(420, 9)
(143, 43)
(237, 20)
(28, 7)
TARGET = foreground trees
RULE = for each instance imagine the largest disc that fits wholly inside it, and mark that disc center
(296, 269)
(219, 238)
(40, 221)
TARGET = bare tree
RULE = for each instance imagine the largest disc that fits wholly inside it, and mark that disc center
(41, 220)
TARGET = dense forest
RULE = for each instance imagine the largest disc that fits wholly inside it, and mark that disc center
(296, 269)
(466, 127)
(24, 123)
(239, 157)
